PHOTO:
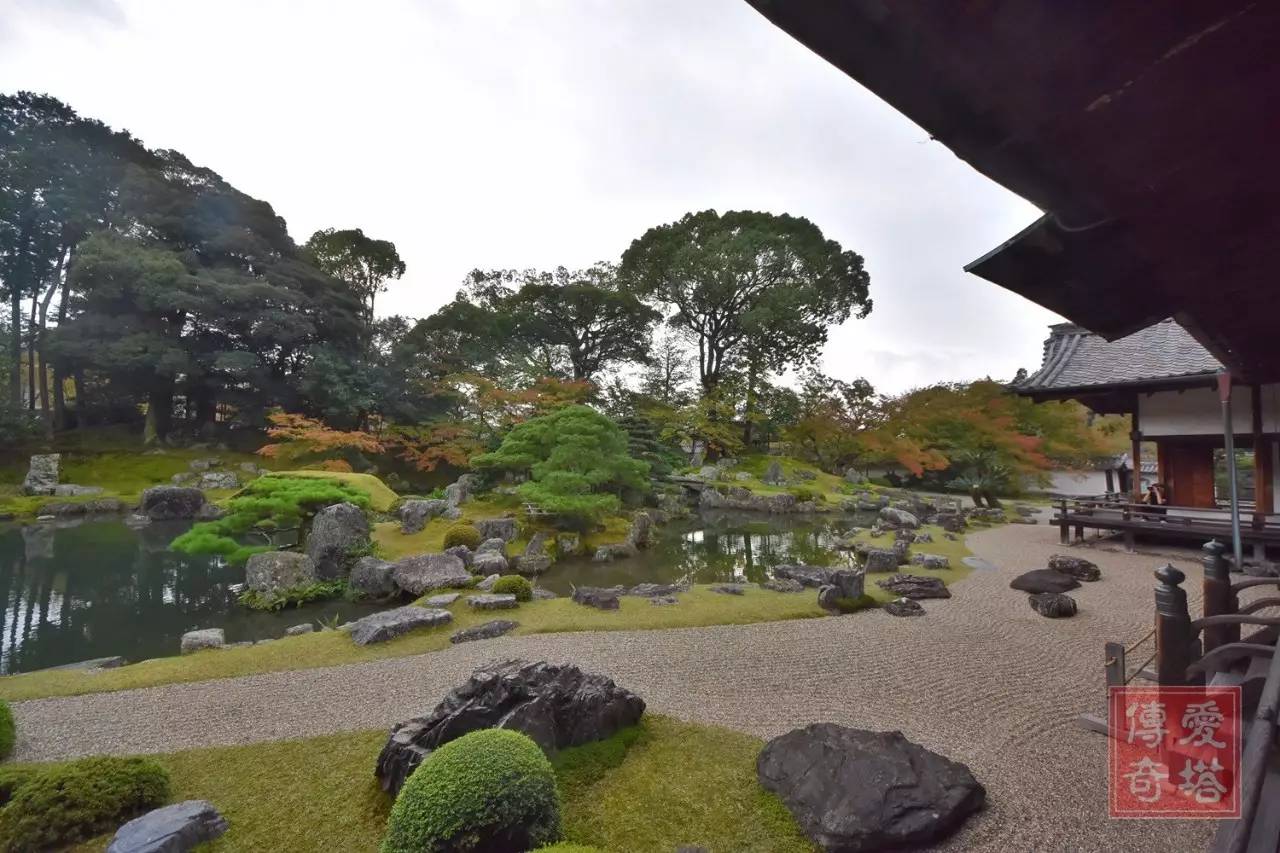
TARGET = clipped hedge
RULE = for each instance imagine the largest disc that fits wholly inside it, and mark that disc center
(8, 734)
(514, 585)
(489, 790)
(67, 803)
(462, 534)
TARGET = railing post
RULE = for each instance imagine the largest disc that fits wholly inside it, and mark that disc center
(1175, 641)
(1219, 600)
(1064, 534)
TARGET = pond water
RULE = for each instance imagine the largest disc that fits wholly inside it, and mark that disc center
(715, 547)
(76, 591)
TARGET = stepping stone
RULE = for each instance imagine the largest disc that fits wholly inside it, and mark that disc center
(172, 829)
(442, 600)
(492, 601)
(487, 631)
(389, 624)
(1044, 580)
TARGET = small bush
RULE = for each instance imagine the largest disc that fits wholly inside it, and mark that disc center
(462, 534)
(8, 734)
(296, 596)
(514, 585)
(71, 802)
(803, 493)
(491, 789)
(12, 778)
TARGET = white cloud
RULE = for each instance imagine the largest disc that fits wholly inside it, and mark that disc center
(536, 133)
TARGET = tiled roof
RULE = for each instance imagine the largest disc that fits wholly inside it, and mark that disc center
(1076, 358)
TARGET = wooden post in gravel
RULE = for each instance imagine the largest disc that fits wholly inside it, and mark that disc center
(1219, 600)
(1176, 646)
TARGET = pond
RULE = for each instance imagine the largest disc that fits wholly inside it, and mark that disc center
(77, 591)
(715, 546)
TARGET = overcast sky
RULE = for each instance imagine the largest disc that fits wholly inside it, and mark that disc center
(534, 133)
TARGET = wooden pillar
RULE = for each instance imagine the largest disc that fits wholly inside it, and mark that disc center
(1135, 436)
(1175, 641)
(1263, 499)
(1219, 600)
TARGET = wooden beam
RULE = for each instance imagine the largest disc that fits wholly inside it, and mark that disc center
(1263, 498)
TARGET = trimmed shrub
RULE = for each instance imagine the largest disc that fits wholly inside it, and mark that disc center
(8, 734)
(12, 778)
(514, 585)
(803, 493)
(462, 534)
(71, 802)
(491, 789)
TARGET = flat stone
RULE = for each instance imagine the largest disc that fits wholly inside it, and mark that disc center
(931, 561)
(1077, 567)
(729, 588)
(110, 662)
(852, 790)
(218, 480)
(389, 624)
(648, 590)
(1044, 580)
(811, 576)
(444, 599)
(205, 638)
(979, 564)
(71, 490)
(485, 631)
(904, 607)
(175, 828)
(492, 601)
(915, 586)
(1053, 605)
(601, 599)
(663, 600)
(540, 594)
(783, 585)
(427, 572)
(299, 630)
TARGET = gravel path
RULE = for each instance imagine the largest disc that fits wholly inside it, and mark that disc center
(981, 678)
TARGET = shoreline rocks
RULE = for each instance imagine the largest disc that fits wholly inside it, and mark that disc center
(204, 638)
(170, 503)
(337, 533)
(274, 571)
(389, 624)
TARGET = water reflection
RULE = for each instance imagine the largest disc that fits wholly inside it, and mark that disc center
(77, 590)
(716, 547)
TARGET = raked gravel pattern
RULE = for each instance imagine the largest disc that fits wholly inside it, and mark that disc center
(980, 678)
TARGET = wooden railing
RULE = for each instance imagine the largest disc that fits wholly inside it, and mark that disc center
(1130, 518)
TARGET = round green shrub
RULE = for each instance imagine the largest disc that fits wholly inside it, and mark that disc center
(462, 534)
(489, 790)
(71, 802)
(8, 734)
(514, 585)
(803, 493)
(12, 778)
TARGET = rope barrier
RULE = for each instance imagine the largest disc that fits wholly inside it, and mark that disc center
(1139, 670)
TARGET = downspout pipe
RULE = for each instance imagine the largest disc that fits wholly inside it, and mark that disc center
(1229, 440)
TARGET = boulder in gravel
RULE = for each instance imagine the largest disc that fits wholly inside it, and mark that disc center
(371, 578)
(849, 583)
(389, 624)
(274, 571)
(898, 518)
(204, 638)
(558, 706)
(426, 572)
(415, 514)
(492, 601)
(498, 528)
(936, 562)
(338, 534)
(488, 563)
(915, 586)
(175, 828)
(904, 607)
(601, 599)
(167, 503)
(1077, 567)
(854, 790)
(43, 472)
(783, 585)
(881, 560)
(1044, 580)
(1054, 605)
(485, 631)
(811, 576)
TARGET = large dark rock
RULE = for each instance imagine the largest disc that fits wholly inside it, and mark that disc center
(415, 514)
(557, 706)
(166, 503)
(389, 624)
(853, 790)
(42, 474)
(338, 535)
(175, 828)
(1077, 567)
(275, 571)
(849, 583)
(811, 576)
(1054, 605)
(904, 607)
(371, 578)
(1044, 580)
(915, 586)
(425, 572)
(601, 599)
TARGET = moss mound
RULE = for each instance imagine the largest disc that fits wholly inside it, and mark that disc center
(67, 803)
(462, 534)
(489, 790)
(514, 585)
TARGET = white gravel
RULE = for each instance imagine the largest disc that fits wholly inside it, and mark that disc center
(981, 678)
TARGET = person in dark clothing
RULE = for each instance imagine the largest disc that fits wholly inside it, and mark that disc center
(1156, 500)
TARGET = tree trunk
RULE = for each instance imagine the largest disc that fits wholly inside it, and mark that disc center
(159, 412)
(31, 353)
(59, 398)
(41, 336)
(15, 345)
(82, 413)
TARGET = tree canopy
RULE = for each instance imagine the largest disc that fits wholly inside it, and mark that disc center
(365, 264)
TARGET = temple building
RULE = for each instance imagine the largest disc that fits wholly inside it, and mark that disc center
(1166, 381)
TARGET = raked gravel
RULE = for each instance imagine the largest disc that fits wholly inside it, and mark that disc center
(980, 678)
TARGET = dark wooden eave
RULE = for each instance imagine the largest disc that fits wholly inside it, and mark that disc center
(1146, 131)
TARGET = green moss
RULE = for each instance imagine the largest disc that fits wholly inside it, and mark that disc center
(293, 596)
(7, 732)
(462, 534)
(67, 803)
(514, 585)
(853, 605)
(491, 789)
(381, 497)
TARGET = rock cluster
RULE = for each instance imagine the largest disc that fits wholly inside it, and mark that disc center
(737, 497)
(557, 706)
